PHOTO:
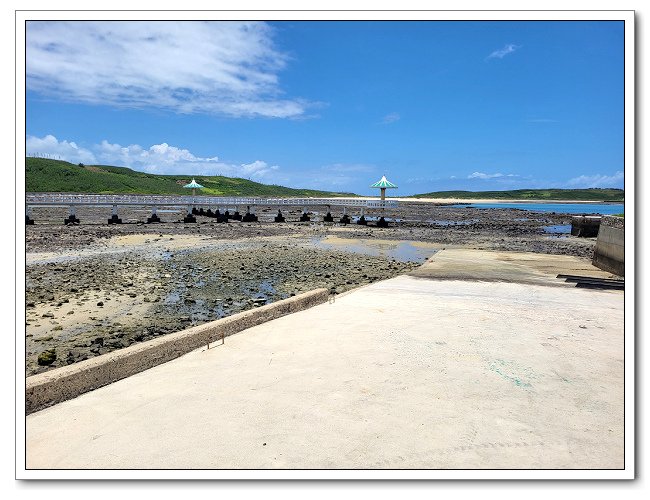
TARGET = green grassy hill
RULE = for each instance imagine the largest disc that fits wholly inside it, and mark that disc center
(44, 175)
(595, 194)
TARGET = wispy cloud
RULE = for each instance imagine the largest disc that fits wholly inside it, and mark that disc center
(158, 158)
(482, 175)
(390, 118)
(501, 53)
(597, 180)
(221, 68)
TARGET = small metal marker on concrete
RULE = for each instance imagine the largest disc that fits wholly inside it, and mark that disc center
(223, 340)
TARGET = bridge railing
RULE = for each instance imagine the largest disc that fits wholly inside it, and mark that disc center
(54, 199)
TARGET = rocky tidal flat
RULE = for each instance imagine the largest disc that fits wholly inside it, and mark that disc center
(80, 309)
(94, 288)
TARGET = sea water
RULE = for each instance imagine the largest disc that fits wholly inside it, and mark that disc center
(562, 208)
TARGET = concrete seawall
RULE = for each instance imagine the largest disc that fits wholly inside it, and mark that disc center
(61, 384)
(609, 253)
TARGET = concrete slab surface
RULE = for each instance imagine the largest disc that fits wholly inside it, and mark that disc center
(412, 372)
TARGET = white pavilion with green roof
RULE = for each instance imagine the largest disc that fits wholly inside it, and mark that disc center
(383, 184)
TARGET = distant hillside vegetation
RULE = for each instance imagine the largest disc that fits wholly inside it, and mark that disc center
(592, 194)
(52, 176)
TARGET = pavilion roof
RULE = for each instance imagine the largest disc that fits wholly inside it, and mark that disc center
(193, 184)
(383, 183)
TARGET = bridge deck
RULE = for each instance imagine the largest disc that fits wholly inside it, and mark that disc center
(57, 199)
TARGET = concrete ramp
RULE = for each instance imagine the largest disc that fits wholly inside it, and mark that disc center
(402, 374)
(511, 267)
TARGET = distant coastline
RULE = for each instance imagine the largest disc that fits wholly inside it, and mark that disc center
(457, 201)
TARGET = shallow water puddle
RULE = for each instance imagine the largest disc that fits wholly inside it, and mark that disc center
(404, 251)
(558, 229)
(452, 222)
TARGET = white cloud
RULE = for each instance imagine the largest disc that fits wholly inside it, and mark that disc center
(223, 68)
(501, 53)
(597, 180)
(159, 158)
(481, 175)
(61, 150)
(166, 159)
(390, 118)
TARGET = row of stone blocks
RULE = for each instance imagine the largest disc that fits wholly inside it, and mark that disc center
(328, 218)
(248, 217)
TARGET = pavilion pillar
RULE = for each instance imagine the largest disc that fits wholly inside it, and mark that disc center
(362, 220)
(154, 217)
(250, 215)
(72, 218)
(28, 220)
(189, 217)
(328, 216)
(345, 219)
(114, 218)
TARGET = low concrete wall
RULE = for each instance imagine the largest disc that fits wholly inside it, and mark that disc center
(67, 382)
(609, 253)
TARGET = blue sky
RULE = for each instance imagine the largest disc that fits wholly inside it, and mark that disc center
(334, 105)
